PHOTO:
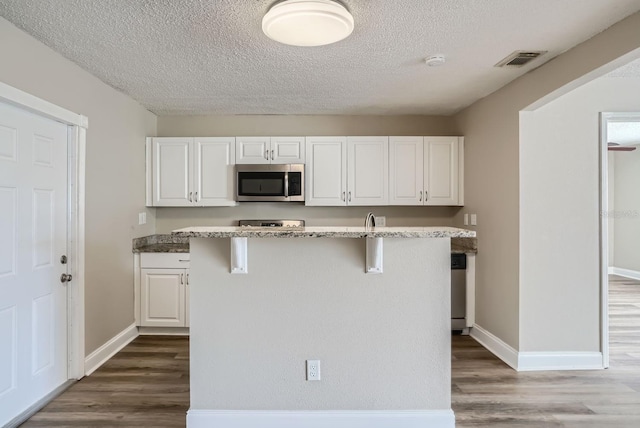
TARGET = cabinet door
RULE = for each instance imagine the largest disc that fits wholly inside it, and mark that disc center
(162, 298)
(406, 159)
(171, 167)
(441, 170)
(368, 170)
(253, 150)
(326, 171)
(287, 150)
(213, 174)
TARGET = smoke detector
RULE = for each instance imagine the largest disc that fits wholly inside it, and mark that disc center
(435, 60)
(520, 58)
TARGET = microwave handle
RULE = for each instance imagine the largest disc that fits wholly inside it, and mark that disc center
(286, 184)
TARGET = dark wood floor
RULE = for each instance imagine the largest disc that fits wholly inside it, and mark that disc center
(146, 384)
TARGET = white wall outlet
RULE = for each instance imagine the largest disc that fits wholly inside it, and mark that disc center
(474, 220)
(313, 369)
(142, 218)
(381, 221)
(466, 219)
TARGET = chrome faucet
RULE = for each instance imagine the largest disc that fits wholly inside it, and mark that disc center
(370, 221)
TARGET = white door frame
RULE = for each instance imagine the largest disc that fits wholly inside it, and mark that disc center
(605, 118)
(77, 132)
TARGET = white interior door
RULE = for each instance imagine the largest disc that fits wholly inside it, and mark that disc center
(33, 231)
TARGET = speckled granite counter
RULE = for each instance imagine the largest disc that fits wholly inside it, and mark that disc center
(174, 243)
(324, 232)
(161, 244)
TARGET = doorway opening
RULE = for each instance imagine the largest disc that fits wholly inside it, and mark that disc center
(620, 228)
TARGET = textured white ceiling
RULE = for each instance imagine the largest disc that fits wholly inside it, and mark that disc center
(211, 57)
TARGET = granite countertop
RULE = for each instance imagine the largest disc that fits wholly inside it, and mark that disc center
(172, 243)
(161, 244)
(323, 232)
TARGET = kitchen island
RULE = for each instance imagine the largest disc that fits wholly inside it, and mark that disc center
(383, 340)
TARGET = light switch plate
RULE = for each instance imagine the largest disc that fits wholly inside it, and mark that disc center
(474, 220)
(466, 219)
(381, 221)
(142, 218)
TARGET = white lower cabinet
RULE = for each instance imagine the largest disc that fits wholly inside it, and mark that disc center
(164, 290)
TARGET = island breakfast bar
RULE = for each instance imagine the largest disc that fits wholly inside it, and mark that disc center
(382, 337)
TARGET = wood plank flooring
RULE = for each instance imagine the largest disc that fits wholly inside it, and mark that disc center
(144, 385)
(147, 384)
(487, 393)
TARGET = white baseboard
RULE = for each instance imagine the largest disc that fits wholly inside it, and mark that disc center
(627, 273)
(109, 349)
(539, 361)
(163, 331)
(496, 346)
(320, 419)
(536, 361)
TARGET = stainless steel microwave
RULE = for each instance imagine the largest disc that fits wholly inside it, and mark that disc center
(270, 183)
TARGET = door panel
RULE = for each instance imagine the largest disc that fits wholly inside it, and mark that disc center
(441, 170)
(214, 171)
(326, 171)
(406, 171)
(172, 172)
(253, 150)
(368, 170)
(33, 221)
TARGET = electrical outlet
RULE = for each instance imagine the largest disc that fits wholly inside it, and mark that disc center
(466, 219)
(313, 369)
(142, 218)
(381, 221)
(474, 220)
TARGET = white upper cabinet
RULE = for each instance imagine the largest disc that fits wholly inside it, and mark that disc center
(347, 171)
(214, 160)
(171, 171)
(367, 170)
(441, 167)
(326, 171)
(265, 150)
(185, 172)
(406, 183)
(426, 171)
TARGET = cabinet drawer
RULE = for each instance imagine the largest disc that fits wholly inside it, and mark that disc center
(164, 260)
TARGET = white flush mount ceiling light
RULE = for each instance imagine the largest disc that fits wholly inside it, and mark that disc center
(307, 22)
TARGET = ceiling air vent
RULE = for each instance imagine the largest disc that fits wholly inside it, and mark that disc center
(520, 58)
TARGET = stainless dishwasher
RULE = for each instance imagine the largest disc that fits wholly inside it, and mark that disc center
(459, 293)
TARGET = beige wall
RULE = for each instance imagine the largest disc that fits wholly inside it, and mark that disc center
(114, 172)
(282, 125)
(493, 174)
(560, 215)
(383, 340)
(626, 208)
(172, 126)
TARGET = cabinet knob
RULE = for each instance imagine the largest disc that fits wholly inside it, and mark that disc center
(272, 154)
(349, 196)
(65, 278)
(190, 196)
(420, 196)
(343, 195)
(266, 154)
